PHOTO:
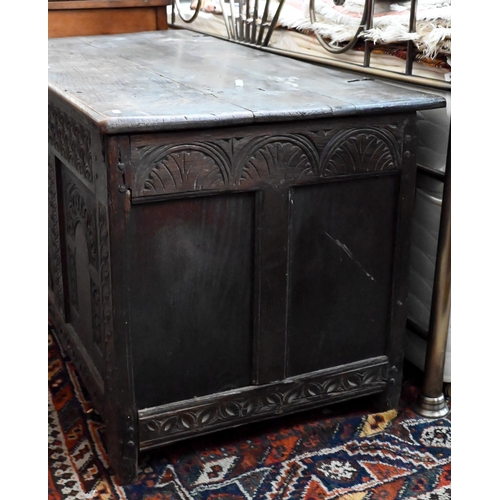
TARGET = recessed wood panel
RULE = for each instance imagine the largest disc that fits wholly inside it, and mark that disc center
(342, 240)
(192, 306)
(79, 266)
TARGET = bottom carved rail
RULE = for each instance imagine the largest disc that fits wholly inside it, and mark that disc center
(172, 422)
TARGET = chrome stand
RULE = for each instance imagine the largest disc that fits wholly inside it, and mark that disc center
(431, 402)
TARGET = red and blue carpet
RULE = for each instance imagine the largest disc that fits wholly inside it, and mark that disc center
(316, 455)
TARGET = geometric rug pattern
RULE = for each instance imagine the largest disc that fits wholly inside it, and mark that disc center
(321, 454)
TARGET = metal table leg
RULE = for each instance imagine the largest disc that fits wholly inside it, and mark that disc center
(431, 402)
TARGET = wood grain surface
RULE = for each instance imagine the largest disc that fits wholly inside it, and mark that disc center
(155, 81)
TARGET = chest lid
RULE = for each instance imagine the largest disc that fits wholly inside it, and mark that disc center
(174, 80)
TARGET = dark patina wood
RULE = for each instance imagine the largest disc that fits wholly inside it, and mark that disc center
(220, 254)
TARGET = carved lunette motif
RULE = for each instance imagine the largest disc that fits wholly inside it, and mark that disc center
(353, 151)
(277, 158)
(234, 163)
(227, 409)
(72, 142)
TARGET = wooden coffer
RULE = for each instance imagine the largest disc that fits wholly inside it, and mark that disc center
(210, 275)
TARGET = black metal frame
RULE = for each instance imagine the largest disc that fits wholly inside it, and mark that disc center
(244, 26)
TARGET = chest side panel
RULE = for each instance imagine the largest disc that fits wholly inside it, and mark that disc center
(79, 294)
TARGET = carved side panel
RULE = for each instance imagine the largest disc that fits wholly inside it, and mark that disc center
(55, 266)
(72, 142)
(77, 211)
(226, 410)
(81, 212)
(100, 289)
(233, 163)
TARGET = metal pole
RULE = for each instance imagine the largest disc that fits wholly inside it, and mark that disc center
(431, 402)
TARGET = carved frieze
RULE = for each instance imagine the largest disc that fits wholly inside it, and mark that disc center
(271, 159)
(261, 401)
(72, 141)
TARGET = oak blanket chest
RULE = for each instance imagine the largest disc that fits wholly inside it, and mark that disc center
(228, 232)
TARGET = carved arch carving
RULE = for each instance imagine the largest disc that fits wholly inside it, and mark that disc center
(277, 157)
(360, 150)
(77, 211)
(190, 167)
(82, 218)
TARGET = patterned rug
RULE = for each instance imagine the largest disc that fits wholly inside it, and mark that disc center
(312, 456)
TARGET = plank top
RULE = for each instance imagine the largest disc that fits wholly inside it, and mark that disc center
(177, 79)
